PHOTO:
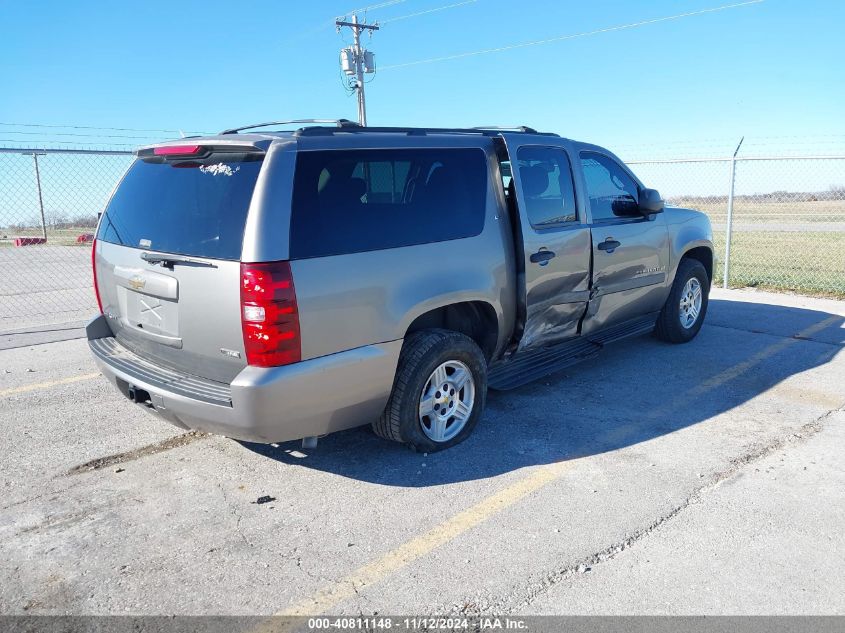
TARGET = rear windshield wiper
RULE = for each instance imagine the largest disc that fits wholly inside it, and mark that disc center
(169, 261)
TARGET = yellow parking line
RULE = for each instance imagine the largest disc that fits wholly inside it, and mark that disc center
(425, 543)
(47, 385)
(405, 554)
(740, 368)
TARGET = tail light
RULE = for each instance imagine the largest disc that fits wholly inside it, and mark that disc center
(269, 314)
(94, 270)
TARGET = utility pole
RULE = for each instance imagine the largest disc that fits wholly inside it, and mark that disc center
(356, 61)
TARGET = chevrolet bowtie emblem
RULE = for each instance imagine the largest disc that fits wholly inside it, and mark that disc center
(137, 282)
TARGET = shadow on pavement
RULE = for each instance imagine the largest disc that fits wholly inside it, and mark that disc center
(632, 392)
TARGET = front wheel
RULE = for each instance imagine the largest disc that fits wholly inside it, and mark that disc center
(683, 314)
(438, 394)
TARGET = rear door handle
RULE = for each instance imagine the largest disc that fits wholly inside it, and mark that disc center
(541, 257)
(609, 245)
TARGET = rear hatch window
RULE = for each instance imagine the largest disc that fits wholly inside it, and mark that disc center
(192, 206)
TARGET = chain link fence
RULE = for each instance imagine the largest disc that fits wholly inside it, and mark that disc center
(782, 218)
(49, 202)
(786, 226)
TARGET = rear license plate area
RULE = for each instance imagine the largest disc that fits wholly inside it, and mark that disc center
(152, 314)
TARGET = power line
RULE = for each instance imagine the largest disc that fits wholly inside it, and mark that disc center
(87, 127)
(329, 23)
(427, 11)
(77, 135)
(571, 36)
(372, 7)
(18, 141)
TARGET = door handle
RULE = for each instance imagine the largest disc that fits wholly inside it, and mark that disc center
(609, 245)
(541, 257)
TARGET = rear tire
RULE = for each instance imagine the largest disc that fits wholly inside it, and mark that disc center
(424, 415)
(683, 313)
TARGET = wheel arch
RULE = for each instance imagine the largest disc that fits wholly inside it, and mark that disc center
(698, 249)
(477, 319)
(704, 254)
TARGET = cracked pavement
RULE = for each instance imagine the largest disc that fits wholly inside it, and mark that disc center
(704, 478)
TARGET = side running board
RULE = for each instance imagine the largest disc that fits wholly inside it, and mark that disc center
(529, 366)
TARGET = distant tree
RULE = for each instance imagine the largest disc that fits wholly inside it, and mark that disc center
(85, 221)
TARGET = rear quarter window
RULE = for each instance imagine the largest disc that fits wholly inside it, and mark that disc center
(352, 201)
(192, 207)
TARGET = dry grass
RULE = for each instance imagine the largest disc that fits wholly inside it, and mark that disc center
(769, 212)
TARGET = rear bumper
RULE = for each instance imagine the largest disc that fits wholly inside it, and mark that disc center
(274, 404)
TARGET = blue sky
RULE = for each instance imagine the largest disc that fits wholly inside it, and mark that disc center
(771, 71)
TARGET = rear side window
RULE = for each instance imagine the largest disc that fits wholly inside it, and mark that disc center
(351, 201)
(192, 207)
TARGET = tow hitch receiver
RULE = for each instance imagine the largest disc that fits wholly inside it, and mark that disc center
(138, 396)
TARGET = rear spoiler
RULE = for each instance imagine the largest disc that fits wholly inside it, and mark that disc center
(200, 147)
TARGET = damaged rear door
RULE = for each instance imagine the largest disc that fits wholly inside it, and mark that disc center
(556, 240)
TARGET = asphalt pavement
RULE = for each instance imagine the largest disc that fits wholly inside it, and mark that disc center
(702, 478)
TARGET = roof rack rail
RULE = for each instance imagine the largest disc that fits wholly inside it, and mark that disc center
(340, 123)
(413, 131)
(508, 128)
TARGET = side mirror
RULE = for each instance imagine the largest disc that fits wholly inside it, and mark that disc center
(650, 202)
(625, 206)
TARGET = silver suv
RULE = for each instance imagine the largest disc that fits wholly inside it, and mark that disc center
(283, 285)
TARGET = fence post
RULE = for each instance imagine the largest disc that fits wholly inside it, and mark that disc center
(40, 199)
(729, 221)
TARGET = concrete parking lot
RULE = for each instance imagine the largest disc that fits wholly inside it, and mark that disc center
(654, 479)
